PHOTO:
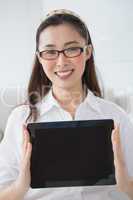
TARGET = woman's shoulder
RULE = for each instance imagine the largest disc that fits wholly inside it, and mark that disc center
(112, 110)
(103, 103)
(20, 112)
(105, 106)
(108, 106)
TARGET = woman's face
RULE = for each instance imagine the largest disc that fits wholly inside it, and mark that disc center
(63, 72)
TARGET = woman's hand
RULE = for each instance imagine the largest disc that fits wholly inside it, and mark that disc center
(22, 184)
(124, 182)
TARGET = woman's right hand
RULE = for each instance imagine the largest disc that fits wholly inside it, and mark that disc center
(22, 183)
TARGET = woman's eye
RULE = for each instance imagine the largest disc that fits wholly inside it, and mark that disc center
(51, 52)
(72, 49)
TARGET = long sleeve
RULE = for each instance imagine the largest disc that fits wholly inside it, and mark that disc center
(127, 142)
(10, 149)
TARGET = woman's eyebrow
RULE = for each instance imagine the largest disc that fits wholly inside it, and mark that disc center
(66, 44)
(71, 42)
(50, 45)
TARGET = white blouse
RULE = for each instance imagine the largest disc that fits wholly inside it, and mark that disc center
(92, 108)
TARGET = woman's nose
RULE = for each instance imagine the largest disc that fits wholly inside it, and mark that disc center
(61, 59)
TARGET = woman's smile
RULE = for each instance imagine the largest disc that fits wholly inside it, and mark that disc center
(64, 74)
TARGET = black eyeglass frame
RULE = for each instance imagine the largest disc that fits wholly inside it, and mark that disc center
(63, 51)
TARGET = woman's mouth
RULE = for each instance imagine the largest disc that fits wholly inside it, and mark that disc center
(64, 74)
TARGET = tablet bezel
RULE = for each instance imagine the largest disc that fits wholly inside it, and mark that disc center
(33, 127)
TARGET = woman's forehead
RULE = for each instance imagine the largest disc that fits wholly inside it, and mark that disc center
(61, 34)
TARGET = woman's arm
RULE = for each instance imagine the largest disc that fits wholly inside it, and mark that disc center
(124, 182)
(11, 193)
(18, 189)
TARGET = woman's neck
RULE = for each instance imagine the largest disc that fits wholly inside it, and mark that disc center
(69, 99)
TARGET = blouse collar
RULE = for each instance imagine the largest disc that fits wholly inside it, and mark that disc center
(49, 102)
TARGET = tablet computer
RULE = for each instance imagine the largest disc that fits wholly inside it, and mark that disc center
(71, 153)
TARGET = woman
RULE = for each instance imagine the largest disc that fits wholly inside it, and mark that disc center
(63, 86)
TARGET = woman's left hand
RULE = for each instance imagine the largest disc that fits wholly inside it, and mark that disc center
(124, 182)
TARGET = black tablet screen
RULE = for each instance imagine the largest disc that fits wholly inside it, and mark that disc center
(72, 153)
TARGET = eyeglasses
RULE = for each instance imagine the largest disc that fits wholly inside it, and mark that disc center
(69, 53)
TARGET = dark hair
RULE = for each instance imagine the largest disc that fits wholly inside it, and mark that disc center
(39, 84)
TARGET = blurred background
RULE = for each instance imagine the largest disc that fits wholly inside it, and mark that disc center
(111, 27)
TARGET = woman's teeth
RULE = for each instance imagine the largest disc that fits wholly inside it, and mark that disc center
(64, 74)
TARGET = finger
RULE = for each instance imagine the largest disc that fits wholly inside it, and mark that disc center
(26, 139)
(120, 167)
(26, 162)
(116, 130)
(26, 133)
(117, 147)
(23, 128)
(24, 147)
(28, 152)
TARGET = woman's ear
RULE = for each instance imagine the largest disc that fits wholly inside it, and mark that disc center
(88, 51)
